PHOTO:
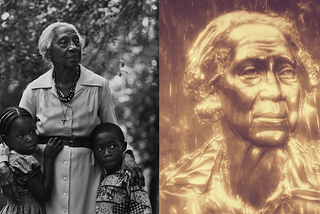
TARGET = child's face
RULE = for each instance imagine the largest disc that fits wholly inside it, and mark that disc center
(22, 136)
(108, 151)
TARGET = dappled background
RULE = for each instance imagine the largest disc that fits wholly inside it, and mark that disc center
(180, 22)
(121, 45)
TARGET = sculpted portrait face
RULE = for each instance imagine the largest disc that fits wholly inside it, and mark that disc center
(260, 92)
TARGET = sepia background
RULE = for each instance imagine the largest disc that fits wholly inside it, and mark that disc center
(121, 45)
(180, 22)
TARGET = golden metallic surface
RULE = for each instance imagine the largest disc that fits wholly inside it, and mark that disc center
(243, 136)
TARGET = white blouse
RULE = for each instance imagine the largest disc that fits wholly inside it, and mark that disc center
(76, 174)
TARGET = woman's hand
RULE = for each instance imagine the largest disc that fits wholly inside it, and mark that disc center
(53, 147)
(130, 164)
(7, 183)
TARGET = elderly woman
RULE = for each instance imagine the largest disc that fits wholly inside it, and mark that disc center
(69, 101)
(250, 72)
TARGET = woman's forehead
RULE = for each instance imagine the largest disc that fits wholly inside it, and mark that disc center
(259, 41)
(64, 30)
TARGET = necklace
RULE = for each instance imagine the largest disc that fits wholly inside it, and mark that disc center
(70, 95)
(65, 118)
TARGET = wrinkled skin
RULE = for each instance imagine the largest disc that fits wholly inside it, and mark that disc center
(260, 94)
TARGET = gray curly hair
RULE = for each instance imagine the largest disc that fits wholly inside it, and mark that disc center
(47, 37)
(211, 54)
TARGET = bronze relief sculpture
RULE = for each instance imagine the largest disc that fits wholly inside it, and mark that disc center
(249, 73)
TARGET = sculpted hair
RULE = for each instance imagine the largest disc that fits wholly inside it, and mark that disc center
(212, 52)
(9, 115)
(47, 37)
(107, 128)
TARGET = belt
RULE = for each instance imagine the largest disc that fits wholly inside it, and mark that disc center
(71, 141)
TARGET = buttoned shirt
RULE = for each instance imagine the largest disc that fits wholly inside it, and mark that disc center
(91, 104)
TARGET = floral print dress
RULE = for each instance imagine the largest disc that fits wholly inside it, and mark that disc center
(24, 167)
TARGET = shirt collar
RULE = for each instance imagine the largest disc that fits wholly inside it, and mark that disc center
(86, 78)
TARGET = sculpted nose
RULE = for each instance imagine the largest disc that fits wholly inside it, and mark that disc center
(271, 89)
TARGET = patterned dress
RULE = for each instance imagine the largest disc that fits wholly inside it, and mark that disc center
(115, 195)
(24, 167)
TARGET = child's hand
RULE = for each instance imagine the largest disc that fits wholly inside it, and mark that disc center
(53, 147)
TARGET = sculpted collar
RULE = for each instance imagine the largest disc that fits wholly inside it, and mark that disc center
(201, 181)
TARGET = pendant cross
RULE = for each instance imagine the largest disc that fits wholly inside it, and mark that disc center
(64, 120)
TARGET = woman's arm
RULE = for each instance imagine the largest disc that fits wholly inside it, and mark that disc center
(42, 189)
(106, 105)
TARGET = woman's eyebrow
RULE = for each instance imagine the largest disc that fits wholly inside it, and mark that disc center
(286, 59)
(249, 61)
(261, 61)
(62, 38)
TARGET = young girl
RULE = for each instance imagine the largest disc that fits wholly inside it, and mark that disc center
(115, 194)
(17, 131)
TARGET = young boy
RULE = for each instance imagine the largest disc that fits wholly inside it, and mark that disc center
(115, 194)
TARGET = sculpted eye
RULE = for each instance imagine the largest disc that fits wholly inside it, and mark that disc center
(287, 73)
(250, 72)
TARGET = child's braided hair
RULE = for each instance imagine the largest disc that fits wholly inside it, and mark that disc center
(9, 115)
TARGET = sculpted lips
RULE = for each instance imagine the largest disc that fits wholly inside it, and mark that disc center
(270, 117)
